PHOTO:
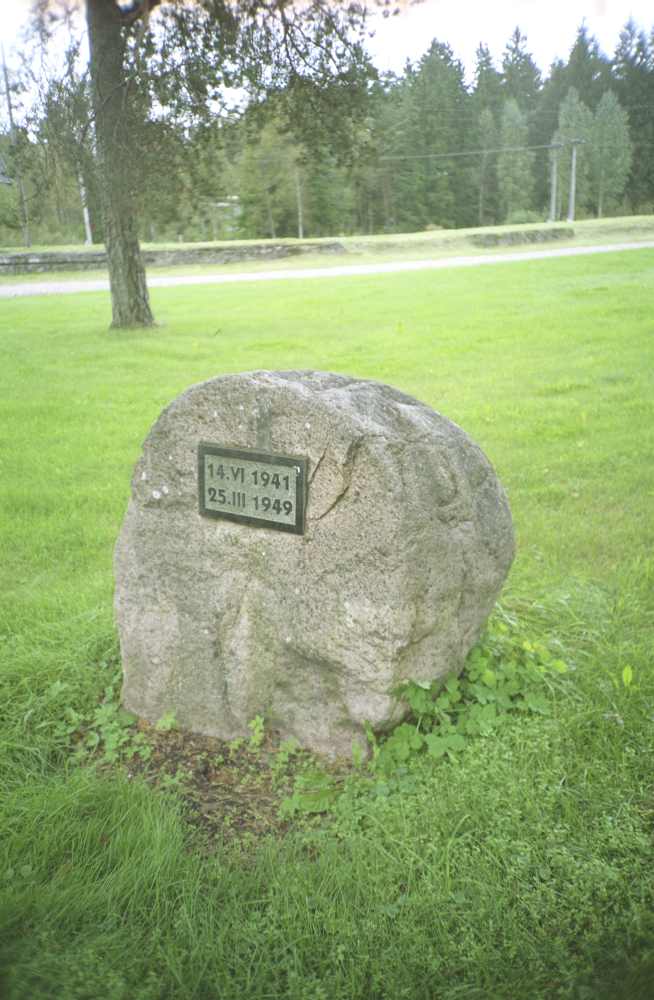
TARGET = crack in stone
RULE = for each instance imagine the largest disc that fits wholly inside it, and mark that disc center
(416, 640)
(337, 500)
(317, 466)
(348, 469)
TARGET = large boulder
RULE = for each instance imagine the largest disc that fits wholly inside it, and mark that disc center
(406, 541)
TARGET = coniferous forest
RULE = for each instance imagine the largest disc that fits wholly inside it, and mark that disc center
(372, 153)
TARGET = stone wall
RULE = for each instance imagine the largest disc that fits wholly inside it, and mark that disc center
(225, 253)
(514, 237)
(232, 253)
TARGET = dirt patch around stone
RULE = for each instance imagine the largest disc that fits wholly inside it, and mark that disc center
(229, 791)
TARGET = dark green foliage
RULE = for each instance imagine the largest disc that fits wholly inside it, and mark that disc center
(520, 76)
(435, 102)
(610, 154)
(588, 70)
(633, 72)
(514, 170)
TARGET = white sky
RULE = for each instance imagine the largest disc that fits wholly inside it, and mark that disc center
(550, 26)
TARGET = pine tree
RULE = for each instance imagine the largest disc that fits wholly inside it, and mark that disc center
(522, 78)
(522, 83)
(486, 170)
(266, 189)
(488, 90)
(633, 71)
(371, 175)
(588, 70)
(437, 106)
(403, 187)
(610, 153)
(514, 166)
(487, 102)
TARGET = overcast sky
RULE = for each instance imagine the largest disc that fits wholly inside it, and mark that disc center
(550, 26)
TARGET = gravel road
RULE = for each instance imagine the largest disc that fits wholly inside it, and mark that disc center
(340, 271)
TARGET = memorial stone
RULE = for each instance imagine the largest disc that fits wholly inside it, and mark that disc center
(297, 544)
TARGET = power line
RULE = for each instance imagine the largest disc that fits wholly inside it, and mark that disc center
(473, 152)
(499, 149)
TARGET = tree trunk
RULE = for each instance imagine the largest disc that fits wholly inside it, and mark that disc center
(129, 292)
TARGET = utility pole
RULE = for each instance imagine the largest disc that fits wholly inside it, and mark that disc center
(14, 142)
(573, 179)
(554, 172)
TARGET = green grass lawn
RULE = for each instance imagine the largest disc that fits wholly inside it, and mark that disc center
(522, 867)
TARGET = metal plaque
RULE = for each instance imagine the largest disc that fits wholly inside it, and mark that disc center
(253, 487)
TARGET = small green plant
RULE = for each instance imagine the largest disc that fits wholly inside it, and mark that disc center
(138, 747)
(285, 754)
(507, 672)
(257, 731)
(314, 791)
(166, 723)
(358, 755)
(109, 731)
(174, 783)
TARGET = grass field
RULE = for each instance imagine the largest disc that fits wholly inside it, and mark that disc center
(521, 867)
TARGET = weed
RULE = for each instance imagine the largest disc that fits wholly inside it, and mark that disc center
(110, 730)
(257, 731)
(314, 791)
(166, 723)
(282, 758)
(176, 782)
(508, 672)
(235, 745)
